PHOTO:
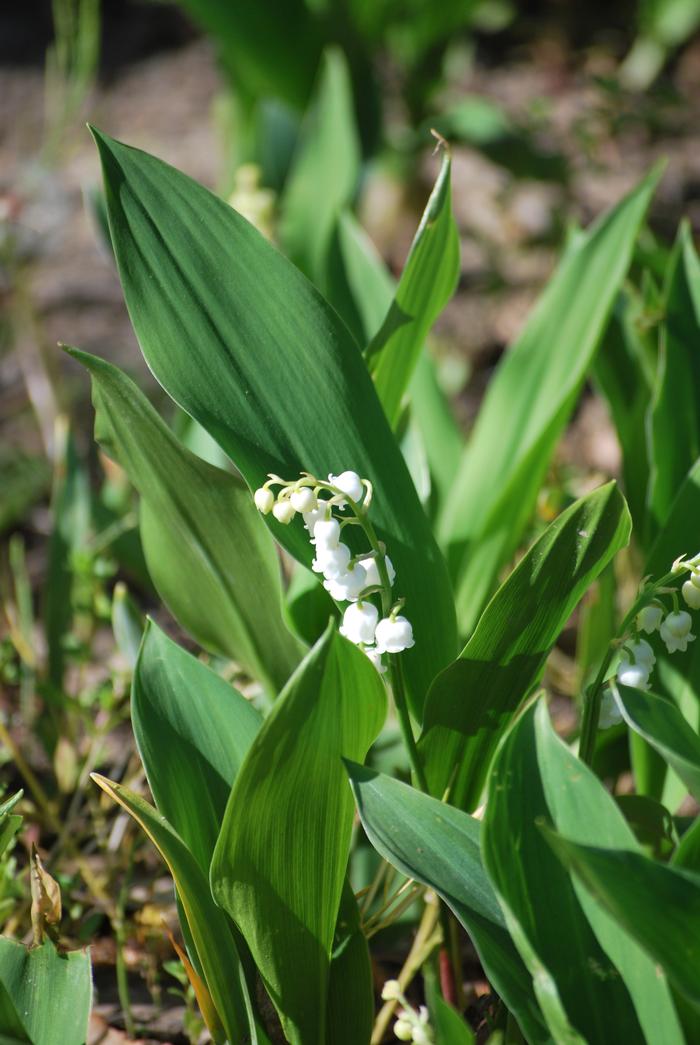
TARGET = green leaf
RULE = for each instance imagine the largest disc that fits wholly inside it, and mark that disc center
(280, 861)
(656, 904)
(51, 993)
(529, 402)
(10, 822)
(662, 725)
(620, 372)
(248, 347)
(358, 283)
(350, 989)
(127, 623)
(450, 1028)
(427, 283)
(193, 732)
(210, 932)
(675, 415)
(206, 547)
(575, 980)
(582, 809)
(471, 703)
(439, 846)
(324, 172)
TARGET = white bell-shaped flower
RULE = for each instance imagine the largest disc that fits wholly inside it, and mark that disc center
(649, 619)
(303, 500)
(691, 594)
(348, 483)
(264, 500)
(675, 631)
(359, 622)
(314, 516)
(394, 634)
(375, 656)
(327, 533)
(610, 714)
(283, 512)
(639, 652)
(635, 675)
(347, 586)
(331, 562)
(372, 570)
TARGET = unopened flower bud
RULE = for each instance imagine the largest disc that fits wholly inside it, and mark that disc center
(264, 500)
(359, 622)
(391, 991)
(403, 1030)
(691, 594)
(394, 635)
(649, 618)
(303, 499)
(283, 512)
(635, 675)
(348, 483)
(422, 1036)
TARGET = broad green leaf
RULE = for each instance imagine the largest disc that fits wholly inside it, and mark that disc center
(575, 980)
(675, 414)
(207, 550)
(529, 402)
(582, 809)
(439, 846)
(688, 852)
(621, 373)
(254, 45)
(324, 172)
(12, 1031)
(450, 1028)
(193, 732)
(243, 342)
(662, 725)
(427, 283)
(361, 289)
(350, 987)
(51, 993)
(656, 904)
(471, 703)
(280, 861)
(358, 284)
(211, 934)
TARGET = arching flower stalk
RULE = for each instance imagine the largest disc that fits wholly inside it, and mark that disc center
(630, 659)
(361, 583)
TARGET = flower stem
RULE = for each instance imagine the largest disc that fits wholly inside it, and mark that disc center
(591, 706)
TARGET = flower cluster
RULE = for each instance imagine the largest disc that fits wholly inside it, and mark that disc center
(411, 1025)
(637, 658)
(347, 578)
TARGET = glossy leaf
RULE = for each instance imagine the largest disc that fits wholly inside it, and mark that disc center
(427, 283)
(575, 980)
(210, 933)
(246, 345)
(350, 984)
(280, 861)
(662, 725)
(324, 172)
(50, 992)
(471, 703)
(656, 904)
(193, 731)
(529, 402)
(206, 547)
(581, 808)
(675, 415)
(439, 846)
